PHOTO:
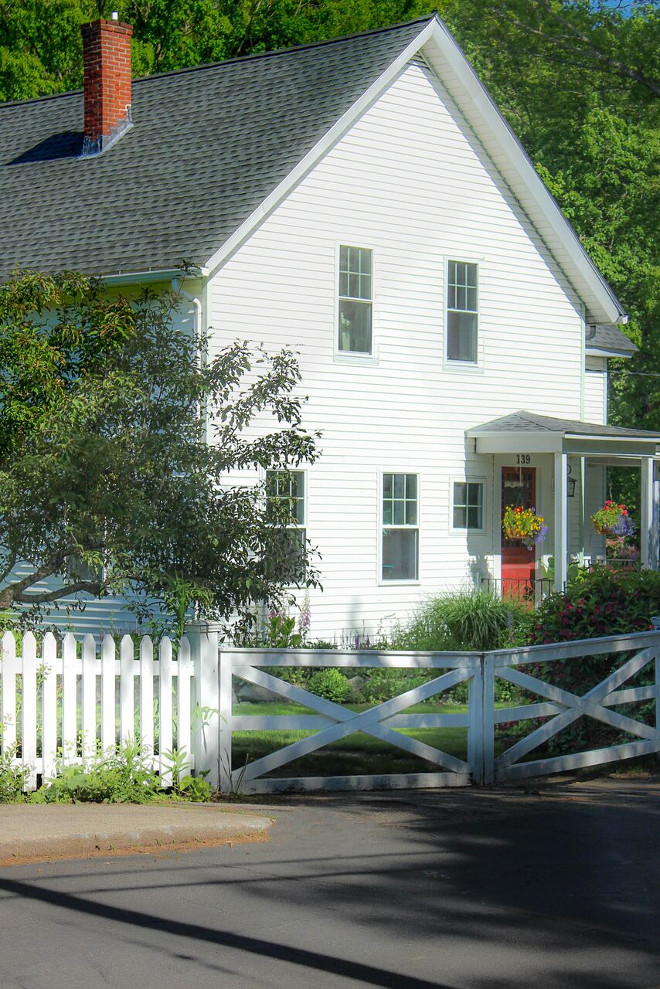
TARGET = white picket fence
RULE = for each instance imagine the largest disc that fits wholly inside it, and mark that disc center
(64, 701)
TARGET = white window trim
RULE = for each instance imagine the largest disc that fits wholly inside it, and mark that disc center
(448, 364)
(469, 479)
(352, 356)
(398, 583)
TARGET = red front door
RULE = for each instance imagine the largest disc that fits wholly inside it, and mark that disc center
(518, 562)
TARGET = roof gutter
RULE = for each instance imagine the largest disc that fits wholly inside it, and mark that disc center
(154, 275)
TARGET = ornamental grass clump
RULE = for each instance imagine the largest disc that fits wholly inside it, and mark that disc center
(525, 524)
(613, 520)
(474, 620)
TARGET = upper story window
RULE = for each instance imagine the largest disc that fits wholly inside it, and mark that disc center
(285, 491)
(355, 300)
(400, 547)
(468, 505)
(462, 318)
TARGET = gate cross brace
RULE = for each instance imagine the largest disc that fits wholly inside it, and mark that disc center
(348, 722)
(576, 706)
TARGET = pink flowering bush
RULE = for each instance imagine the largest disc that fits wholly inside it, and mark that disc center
(595, 603)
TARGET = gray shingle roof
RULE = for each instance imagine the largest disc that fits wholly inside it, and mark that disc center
(530, 422)
(208, 146)
(609, 339)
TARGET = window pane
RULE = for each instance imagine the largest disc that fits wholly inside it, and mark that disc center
(460, 519)
(400, 554)
(462, 337)
(474, 518)
(286, 559)
(355, 326)
(285, 492)
(460, 493)
(388, 480)
(399, 512)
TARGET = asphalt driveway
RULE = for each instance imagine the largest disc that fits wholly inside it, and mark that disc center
(455, 888)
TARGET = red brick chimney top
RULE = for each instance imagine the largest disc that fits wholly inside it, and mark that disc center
(107, 83)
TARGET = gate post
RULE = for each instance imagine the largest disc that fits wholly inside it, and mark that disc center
(481, 730)
(204, 655)
(224, 734)
(488, 682)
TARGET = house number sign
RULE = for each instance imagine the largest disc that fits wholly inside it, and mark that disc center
(523, 458)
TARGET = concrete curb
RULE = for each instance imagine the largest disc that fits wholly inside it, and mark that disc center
(42, 832)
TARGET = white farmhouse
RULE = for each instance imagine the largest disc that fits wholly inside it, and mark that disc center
(363, 201)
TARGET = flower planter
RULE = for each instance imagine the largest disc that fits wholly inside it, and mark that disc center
(524, 524)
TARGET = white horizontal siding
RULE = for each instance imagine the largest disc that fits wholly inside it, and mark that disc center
(595, 396)
(410, 182)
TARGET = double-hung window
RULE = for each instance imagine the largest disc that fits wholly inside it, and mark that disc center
(462, 314)
(285, 493)
(400, 546)
(468, 505)
(355, 301)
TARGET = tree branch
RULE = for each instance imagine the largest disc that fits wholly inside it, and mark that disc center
(45, 597)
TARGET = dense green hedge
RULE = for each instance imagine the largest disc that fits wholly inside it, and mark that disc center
(599, 602)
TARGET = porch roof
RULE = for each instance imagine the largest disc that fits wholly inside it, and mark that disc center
(529, 432)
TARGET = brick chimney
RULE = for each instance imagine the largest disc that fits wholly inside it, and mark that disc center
(107, 83)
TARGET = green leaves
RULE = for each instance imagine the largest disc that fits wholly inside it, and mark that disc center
(107, 482)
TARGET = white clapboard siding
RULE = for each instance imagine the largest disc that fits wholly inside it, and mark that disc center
(595, 390)
(410, 182)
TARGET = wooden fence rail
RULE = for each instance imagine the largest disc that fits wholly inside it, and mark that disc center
(65, 700)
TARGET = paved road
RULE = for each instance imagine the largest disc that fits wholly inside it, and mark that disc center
(469, 889)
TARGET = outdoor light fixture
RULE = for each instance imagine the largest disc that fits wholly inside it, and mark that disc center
(570, 487)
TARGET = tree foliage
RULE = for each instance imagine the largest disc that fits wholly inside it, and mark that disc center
(107, 482)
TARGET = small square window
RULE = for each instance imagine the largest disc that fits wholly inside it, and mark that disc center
(468, 505)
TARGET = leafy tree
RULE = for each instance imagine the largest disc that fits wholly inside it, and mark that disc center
(107, 482)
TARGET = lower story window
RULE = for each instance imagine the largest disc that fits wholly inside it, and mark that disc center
(468, 505)
(285, 491)
(400, 545)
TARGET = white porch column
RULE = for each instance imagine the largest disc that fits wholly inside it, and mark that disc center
(561, 521)
(648, 523)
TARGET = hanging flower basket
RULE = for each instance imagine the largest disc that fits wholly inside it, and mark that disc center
(613, 520)
(524, 524)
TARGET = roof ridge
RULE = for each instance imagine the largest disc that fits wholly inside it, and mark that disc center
(275, 53)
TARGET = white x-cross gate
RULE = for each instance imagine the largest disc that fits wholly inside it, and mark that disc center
(557, 708)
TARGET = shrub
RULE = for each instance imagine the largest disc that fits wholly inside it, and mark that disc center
(123, 777)
(602, 601)
(595, 603)
(331, 684)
